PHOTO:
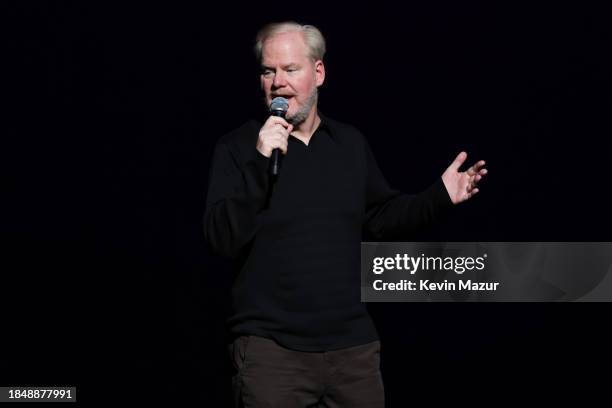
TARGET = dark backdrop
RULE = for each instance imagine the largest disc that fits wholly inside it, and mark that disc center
(111, 117)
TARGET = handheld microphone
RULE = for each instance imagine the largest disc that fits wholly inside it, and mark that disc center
(278, 107)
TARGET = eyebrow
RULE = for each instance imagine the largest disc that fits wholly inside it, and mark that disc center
(291, 65)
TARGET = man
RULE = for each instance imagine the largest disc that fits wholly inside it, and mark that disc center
(301, 336)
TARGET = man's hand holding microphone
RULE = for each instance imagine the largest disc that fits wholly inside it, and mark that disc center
(274, 134)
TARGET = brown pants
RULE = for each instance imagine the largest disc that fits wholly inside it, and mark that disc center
(271, 376)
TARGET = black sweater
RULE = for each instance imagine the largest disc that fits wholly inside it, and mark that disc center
(296, 239)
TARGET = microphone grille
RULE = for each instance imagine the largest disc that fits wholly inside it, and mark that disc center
(279, 104)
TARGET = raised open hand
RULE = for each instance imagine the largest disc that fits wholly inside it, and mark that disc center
(462, 186)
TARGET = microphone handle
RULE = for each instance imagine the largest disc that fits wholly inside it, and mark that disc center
(276, 152)
(275, 160)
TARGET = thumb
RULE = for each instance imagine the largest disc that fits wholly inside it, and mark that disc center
(459, 160)
(290, 128)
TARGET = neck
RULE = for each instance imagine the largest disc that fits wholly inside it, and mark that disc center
(305, 129)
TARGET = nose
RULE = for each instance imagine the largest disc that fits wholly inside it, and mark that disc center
(279, 79)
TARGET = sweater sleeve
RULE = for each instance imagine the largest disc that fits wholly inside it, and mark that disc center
(391, 214)
(236, 196)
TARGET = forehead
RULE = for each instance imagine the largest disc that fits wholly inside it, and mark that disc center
(284, 47)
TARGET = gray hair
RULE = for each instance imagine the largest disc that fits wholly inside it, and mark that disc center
(312, 36)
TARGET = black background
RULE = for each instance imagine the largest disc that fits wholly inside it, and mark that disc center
(112, 111)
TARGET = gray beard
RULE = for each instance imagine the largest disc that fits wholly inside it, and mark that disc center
(300, 116)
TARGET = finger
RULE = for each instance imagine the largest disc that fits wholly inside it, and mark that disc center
(277, 120)
(473, 183)
(473, 193)
(475, 168)
(279, 127)
(482, 172)
(282, 138)
(459, 160)
(470, 186)
(281, 144)
(281, 132)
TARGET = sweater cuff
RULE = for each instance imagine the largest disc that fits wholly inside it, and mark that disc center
(256, 175)
(439, 196)
(262, 163)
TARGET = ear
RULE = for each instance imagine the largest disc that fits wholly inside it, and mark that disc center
(319, 72)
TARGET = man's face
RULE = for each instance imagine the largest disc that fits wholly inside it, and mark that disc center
(287, 71)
